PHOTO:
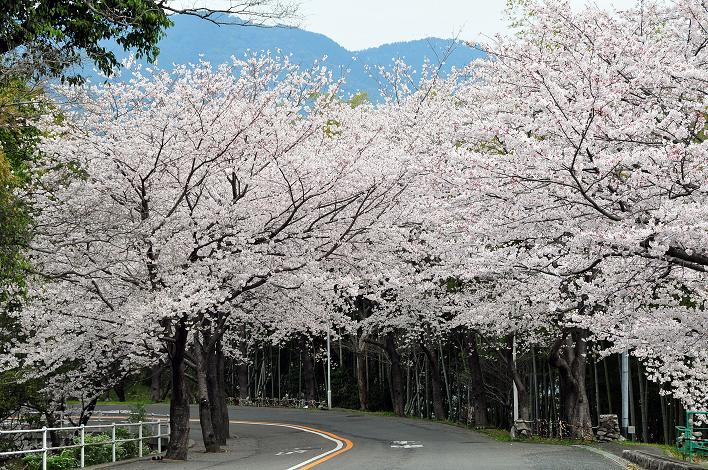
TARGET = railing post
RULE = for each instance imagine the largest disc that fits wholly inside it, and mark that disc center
(44, 448)
(83, 441)
(140, 439)
(159, 438)
(113, 441)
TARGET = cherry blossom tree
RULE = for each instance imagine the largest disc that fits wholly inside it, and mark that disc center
(196, 187)
(587, 144)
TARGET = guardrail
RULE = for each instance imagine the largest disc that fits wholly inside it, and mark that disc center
(81, 430)
(277, 402)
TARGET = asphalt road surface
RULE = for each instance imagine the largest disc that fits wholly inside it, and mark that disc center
(290, 439)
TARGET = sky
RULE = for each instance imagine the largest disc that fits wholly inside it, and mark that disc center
(360, 24)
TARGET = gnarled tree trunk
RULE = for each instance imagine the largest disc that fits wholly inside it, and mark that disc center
(179, 403)
(568, 355)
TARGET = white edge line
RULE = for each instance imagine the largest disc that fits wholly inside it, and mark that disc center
(340, 444)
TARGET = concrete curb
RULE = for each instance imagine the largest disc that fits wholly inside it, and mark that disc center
(655, 462)
(120, 463)
(619, 461)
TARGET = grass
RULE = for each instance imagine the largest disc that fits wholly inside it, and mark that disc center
(503, 435)
(136, 394)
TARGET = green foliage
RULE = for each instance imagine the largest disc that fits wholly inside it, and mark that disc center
(129, 449)
(96, 452)
(63, 461)
(138, 413)
(48, 36)
(331, 128)
(345, 393)
(359, 99)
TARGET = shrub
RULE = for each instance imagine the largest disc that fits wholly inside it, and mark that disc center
(63, 461)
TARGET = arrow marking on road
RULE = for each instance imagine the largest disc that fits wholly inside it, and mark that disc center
(294, 451)
(406, 444)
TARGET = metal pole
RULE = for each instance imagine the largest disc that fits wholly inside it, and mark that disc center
(44, 448)
(516, 392)
(140, 439)
(159, 438)
(625, 393)
(113, 441)
(329, 372)
(83, 441)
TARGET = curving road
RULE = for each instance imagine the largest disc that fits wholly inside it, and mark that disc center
(290, 439)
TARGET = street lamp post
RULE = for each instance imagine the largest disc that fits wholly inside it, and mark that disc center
(329, 371)
(624, 362)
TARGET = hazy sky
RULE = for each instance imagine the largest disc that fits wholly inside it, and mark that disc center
(358, 24)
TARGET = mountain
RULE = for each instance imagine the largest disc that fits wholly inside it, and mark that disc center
(192, 38)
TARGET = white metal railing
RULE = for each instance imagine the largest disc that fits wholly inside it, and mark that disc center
(45, 449)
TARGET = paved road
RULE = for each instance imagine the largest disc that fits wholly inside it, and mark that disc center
(377, 443)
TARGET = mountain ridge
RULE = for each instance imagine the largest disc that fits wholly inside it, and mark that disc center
(192, 39)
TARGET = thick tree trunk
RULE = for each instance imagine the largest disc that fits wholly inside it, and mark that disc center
(308, 370)
(396, 375)
(479, 395)
(569, 356)
(217, 395)
(156, 382)
(201, 359)
(179, 402)
(435, 382)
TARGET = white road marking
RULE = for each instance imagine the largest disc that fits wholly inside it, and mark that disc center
(339, 443)
(406, 444)
(290, 452)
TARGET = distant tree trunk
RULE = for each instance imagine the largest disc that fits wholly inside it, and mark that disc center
(361, 374)
(201, 359)
(120, 390)
(569, 356)
(474, 365)
(396, 375)
(179, 402)
(664, 419)
(242, 368)
(607, 386)
(435, 381)
(156, 382)
(242, 371)
(522, 392)
(308, 370)
(643, 388)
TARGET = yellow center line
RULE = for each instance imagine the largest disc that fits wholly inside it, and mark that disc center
(348, 445)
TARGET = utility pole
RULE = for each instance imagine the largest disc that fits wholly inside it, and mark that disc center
(516, 392)
(625, 393)
(329, 371)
